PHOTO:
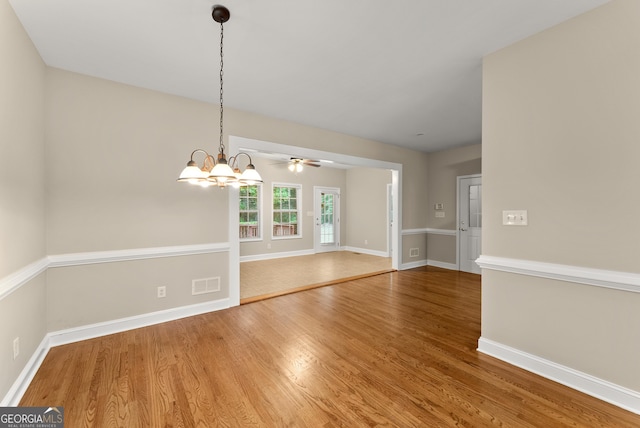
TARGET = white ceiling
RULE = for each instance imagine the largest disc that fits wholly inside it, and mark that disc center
(404, 72)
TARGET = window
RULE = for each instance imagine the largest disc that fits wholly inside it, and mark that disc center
(287, 201)
(250, 203)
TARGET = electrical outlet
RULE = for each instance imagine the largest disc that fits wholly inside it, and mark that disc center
(162, 291)
(16, 347)
(366, 242)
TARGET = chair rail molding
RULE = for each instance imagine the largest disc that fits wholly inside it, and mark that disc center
(14, 281)
(625, 281)
(75, 259)
(428, 230)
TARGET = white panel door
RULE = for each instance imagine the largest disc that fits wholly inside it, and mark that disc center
(469, 223)
(326, 202)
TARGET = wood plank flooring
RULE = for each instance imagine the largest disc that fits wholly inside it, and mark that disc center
(394, 350)
(274, 277)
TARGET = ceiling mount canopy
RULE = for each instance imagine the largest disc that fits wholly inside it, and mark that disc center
(218, 171)
(220, 14)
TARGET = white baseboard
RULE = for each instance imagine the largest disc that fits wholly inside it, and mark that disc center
(615, 394)
(270, 256)
(19, 387)
(443, 265)
(412, 265)
(366, 251)
(76, 334)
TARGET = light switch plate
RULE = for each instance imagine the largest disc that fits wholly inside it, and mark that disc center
(515, 218)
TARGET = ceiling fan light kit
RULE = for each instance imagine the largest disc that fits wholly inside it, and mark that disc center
(219, 171)
(297, 164)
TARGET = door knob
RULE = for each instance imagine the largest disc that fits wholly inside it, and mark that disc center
(463, 229)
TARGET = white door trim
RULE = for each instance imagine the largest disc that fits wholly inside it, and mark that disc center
(317, 246)
(458, 182)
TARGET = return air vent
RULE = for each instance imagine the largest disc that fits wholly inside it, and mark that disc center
(205, 285)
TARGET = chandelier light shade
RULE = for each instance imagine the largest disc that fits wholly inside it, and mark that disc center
(218, 171)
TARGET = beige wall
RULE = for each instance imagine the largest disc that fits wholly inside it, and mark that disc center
(411, 241)
(414, 171)
(443, 169)
(366, 203)
(441, 248)
(560, 139)
(115, 152)
(88, 294)
(129, 144)
(273, 171)
(22, 154)
(112, 155)
(22, 193)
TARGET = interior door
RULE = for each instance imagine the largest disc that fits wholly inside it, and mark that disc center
(327, 219)
(469, 222)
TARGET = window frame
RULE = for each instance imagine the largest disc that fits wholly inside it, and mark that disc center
(298, 210)
(259, 211)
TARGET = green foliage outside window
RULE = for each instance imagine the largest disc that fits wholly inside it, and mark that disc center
(249, 211)
(285, 210)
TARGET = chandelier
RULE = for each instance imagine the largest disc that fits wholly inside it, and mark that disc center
(219, 171)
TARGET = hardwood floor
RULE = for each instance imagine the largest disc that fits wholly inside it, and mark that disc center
(396, 350)
(275, 277)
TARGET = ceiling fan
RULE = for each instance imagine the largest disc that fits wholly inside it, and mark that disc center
(297, 164)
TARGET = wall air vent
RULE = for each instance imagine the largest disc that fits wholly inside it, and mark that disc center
(205, 285)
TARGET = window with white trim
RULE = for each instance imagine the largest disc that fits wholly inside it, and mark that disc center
(250, 198)
(287, 204)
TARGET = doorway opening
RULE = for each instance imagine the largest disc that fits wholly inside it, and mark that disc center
(469, 233)
(257, 147)
(326, 232)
